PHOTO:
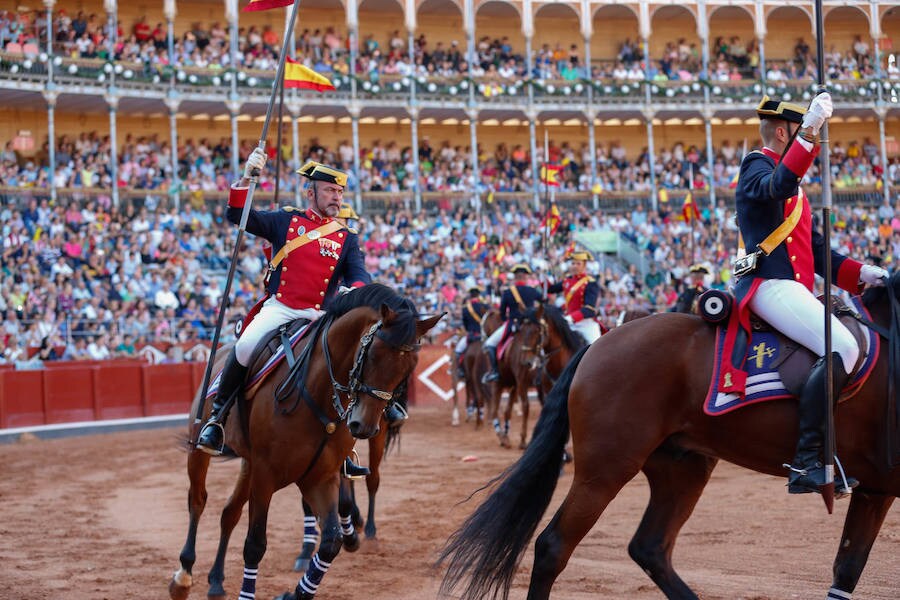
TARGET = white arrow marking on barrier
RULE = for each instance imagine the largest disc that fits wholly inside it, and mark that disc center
(425, 377)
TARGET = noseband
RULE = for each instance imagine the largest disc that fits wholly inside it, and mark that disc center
(356, 385)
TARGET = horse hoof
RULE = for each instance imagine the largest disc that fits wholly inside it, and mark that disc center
(523, 445)
(286, 596)
(370, 532)
(178, 592)
(301, 565)
(351, 543)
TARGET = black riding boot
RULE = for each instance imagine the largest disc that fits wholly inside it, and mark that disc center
(494, 373)
(457, 362)
(212, 436)
(807, 470)
(395, 415)
(353, 470)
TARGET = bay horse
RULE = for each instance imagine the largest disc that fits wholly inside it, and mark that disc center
(546, 335)
(475, 365)
(357, 355)
(633, 402)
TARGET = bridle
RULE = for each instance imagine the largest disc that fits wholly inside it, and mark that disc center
(356, 385)
(542, 355)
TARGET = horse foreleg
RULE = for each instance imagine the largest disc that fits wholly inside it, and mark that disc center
(373, 479)
(503, 427)
(346, 507)
(310, 539)
(676, 482)
(864, 518)
(198, 465)
(261, 490)
(522, 394)
(231, 514)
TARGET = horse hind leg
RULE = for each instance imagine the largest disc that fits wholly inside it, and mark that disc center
(865, 516)
(198, 465)
(231, 514)
(676, 481)
(522, 393)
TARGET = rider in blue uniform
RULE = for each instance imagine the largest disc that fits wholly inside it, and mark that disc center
(472, 313)
(516, 299)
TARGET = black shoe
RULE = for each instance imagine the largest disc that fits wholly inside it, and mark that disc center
(461, 373)
(212, 437)
(395, 415)
(351, 470)
(808, 481)
(494, 373)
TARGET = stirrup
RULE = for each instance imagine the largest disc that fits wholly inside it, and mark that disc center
(212, 438)
(359, 472)
(490, 376)
(398, 414)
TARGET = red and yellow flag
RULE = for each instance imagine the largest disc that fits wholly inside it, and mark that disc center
(550, 175)
(480, 243)
(298, 75)
(500, 255)
(266, 4)
(689, 209)
(552, 219)
(733, 183)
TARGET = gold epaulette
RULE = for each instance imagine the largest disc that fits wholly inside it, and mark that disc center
(293, 209)
(353, 230)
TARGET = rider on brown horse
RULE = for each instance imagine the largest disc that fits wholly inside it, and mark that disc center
(321, 253)
(580, 291)
(785, 254)
(472, 312)
(516, 299)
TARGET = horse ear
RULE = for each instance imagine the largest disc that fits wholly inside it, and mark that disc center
(386, 313)
(423, 326)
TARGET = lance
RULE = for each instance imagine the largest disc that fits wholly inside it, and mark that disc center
(824, 164)
(690, 213)
(239, 238)
(546, 228)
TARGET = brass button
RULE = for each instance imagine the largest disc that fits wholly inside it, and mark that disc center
(797, 276)
(323, 293)
(317, 307)
(278, 295)
(794, 257)
(326, 280)
(340, 235)
(282, 282)
(790, 239)
(331, 267)
(294, 220)
(284, 268)
(290, 230)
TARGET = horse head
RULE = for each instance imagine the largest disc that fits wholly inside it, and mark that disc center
(533, 337)
(386, 356)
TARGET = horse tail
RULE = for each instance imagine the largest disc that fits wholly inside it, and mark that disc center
(488, 547)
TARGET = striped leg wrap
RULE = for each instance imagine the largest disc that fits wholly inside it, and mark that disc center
(836, 594)
(497, 425)
(347, 525)
(310, 531)
(313, 577)
(248, 588)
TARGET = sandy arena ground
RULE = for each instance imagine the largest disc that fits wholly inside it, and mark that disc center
(104, 517)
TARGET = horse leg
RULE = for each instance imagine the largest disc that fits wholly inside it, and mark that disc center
(507, 415)
(585, 502)
(522, 393)
(346, 506)
(865, 515)
(373, 479)
(261, 490)
(324, 501)
(231, 514)
(198, 465)
(310, 539)
(676, 482)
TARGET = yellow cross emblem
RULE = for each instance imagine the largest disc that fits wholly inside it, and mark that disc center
(762, 352)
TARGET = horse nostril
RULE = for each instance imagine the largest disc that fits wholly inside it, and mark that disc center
(354, 427)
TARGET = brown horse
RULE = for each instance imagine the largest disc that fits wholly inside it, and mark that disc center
(368, 339)
(633, 401)
(475, 365)
(548, 338)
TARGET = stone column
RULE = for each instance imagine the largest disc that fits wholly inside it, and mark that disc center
(173, 102)
(112, 99)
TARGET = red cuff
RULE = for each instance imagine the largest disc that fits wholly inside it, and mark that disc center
(357, 284)
(238, 197)
(798, 159)
(848, 276)
(576, 315)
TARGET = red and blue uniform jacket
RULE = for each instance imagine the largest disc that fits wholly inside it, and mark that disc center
(311, 273)
(470, 323)
(765, 195)
(581, 298)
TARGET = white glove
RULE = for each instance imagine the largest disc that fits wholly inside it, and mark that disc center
(872, 275)
(819, 111)
(343, 290)
(256, 161)
(570, 320)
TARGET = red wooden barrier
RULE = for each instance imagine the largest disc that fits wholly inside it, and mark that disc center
(168, 389)
(21, 398)
(118, 391)
(68, 395)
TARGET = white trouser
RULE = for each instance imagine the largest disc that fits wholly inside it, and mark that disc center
(462, 344)
(794, 311)
(588, 328)
(273, 314)
(494, 339)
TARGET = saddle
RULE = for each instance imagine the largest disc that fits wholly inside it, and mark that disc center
(268, 354)
(507, 338)
(766, 365)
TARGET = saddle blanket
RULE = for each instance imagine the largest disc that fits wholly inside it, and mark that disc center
(504, 346)
(764, 381)
(258, 376)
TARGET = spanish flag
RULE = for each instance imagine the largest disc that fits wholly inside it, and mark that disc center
(501, 254)
(552, 219)
(549, 175)
(266, 4)
(480, 243)
(298, 75)
(689, 209)
(733, 183)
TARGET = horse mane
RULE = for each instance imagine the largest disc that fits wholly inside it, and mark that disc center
(571, 339)
(401, 330)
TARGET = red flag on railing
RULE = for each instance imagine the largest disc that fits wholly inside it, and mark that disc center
(266, 4)
(551, 219)
(298, 75)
